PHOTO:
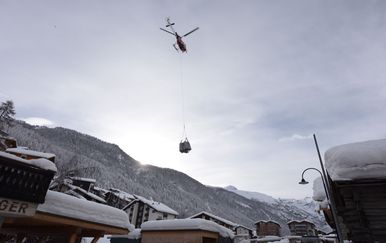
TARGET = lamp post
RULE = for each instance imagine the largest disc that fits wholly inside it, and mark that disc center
(327, 190)
(304, 182)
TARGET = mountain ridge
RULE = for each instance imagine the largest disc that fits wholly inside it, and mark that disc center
(88, 156)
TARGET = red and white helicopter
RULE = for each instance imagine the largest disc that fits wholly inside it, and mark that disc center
(180, 44)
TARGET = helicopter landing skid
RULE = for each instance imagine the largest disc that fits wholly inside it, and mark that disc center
(175, 47)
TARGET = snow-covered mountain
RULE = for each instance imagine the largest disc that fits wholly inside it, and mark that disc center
(88, 156)
(261, 197)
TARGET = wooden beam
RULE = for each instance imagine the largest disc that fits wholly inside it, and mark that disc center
(95, 240)
(80, 223)
(72, 238)
(38, 230)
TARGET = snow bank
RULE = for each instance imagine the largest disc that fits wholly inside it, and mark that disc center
(61, 204)
(363, 160)
(318, 188)
(187, 224)
(40, 163)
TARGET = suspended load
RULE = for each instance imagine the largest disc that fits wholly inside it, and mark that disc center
(185, 146)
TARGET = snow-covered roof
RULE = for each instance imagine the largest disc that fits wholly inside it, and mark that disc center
(122, 195)
(242, 226)
(92, 195)
(362, 160)
(160, 207)
(215, 217)
(40, 163)
(271, 238)
(186, 224)
(319, 194)
(75, 178)
(23, 150)
(267, 221)
(300, 221)
(68, 206)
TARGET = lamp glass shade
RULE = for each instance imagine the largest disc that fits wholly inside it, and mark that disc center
(303, 182)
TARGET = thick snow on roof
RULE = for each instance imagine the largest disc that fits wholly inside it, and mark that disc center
(23, 150)
(186, 224)
(68, 206)
(363, 160)
(267, 221)
(122, 195)
(160, 207)
(40, 163)
(318, 188)
(300, 221)
(215, 217)
(75, 178)
(242, 226)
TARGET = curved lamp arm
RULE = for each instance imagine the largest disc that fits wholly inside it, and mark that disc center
(303, 181)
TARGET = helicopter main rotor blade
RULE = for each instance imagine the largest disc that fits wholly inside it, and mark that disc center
(190, 32)
(168, 31)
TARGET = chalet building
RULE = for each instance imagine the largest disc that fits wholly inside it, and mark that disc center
(83, 194)
(302, 228)
(242, 233)
(28, 154)
(84, 183)
(117, 198)
(356, 173)
(267, 227)
(208, 216)
(141, 210)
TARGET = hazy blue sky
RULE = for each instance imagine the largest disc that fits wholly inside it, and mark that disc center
(260, 78)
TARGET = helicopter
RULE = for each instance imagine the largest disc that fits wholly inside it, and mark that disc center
(179, 45)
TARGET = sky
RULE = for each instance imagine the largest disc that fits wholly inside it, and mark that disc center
(259, 78)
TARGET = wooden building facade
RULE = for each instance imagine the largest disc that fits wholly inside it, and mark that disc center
(267, 227)
(302, 228)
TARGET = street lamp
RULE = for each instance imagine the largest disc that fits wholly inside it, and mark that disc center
(327, 190)
(304, 182)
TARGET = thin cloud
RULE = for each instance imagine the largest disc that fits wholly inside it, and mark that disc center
(38, 121)
(295, 137)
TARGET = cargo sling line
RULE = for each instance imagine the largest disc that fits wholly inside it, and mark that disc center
(184, 144)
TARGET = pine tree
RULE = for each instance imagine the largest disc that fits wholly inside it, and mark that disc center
(7, 111)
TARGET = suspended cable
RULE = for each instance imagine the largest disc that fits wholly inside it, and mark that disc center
(184, 133)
